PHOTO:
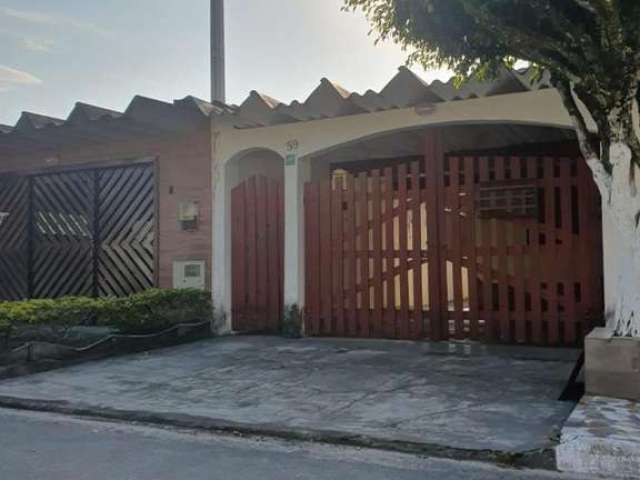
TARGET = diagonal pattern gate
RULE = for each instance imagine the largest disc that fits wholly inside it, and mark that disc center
(14, 267)
(62, 225)
(126, 225)
(86, 232)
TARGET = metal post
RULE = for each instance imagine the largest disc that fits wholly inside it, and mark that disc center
(218, 87)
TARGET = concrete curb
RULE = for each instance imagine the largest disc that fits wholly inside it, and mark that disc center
(537, 459)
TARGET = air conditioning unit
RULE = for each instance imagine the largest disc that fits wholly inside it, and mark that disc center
(190, 274)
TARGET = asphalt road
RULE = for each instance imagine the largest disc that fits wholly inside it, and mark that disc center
(53, 447)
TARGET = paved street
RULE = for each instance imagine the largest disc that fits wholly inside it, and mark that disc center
(47, 446)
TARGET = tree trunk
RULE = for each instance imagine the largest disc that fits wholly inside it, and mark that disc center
(622, 203)
(616, 171)
(626, 322)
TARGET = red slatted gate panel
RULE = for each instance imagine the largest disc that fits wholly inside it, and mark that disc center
(366, 258)
(496, 248)
(523, 249)
(257, 232)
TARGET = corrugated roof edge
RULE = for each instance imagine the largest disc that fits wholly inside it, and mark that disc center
(405, 89)
(84, 113)
(328, 100)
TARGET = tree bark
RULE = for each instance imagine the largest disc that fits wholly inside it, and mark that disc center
(616, 172)
(626, 321)
(623, 206)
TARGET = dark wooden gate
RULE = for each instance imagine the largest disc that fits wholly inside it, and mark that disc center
(14, 258)
(126, 203)
(257, 255)
(496, 248)
(62, 227)
(84, 232)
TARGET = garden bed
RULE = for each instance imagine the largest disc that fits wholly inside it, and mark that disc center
(40, 335)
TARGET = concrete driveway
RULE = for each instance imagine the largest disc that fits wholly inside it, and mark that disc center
(461, 396)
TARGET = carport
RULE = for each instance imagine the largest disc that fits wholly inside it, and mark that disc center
(421, 211)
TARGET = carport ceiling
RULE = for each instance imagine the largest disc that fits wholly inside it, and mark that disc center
(456, 138)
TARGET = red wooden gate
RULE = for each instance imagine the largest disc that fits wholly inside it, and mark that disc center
(257, 255)
(497, 248)
(362, 255)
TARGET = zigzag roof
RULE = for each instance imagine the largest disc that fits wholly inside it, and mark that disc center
(141, 110)
(405, 90)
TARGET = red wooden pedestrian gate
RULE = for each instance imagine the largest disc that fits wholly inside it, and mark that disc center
(257, 255)
(496, 248)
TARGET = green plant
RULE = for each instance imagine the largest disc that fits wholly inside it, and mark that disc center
(292, 322)
(155, 310)
(5, 329)
(47, 318)
(147, 312)
(63, 312)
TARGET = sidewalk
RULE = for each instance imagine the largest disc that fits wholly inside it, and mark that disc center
(602, 437)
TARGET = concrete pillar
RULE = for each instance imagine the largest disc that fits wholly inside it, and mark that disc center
(226, 177)
(295, 175)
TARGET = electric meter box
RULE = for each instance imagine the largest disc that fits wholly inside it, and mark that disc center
(189, 274)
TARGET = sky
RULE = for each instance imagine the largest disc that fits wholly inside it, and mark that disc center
(54, 53)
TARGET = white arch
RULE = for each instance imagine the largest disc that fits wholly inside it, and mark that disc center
(541, 108)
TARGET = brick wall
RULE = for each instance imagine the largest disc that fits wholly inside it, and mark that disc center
(184, 174)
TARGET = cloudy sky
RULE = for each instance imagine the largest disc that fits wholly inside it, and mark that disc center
(56, 52)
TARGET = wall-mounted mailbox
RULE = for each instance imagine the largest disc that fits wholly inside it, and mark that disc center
(189, 274)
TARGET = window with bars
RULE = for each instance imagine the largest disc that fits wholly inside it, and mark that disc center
(507, 199)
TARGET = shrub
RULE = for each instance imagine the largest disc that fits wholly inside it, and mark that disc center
(5, 326)
(147, 312)
(63, 312)
(292, 323)
(155, 310)
(46, 319)
(5, 330)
